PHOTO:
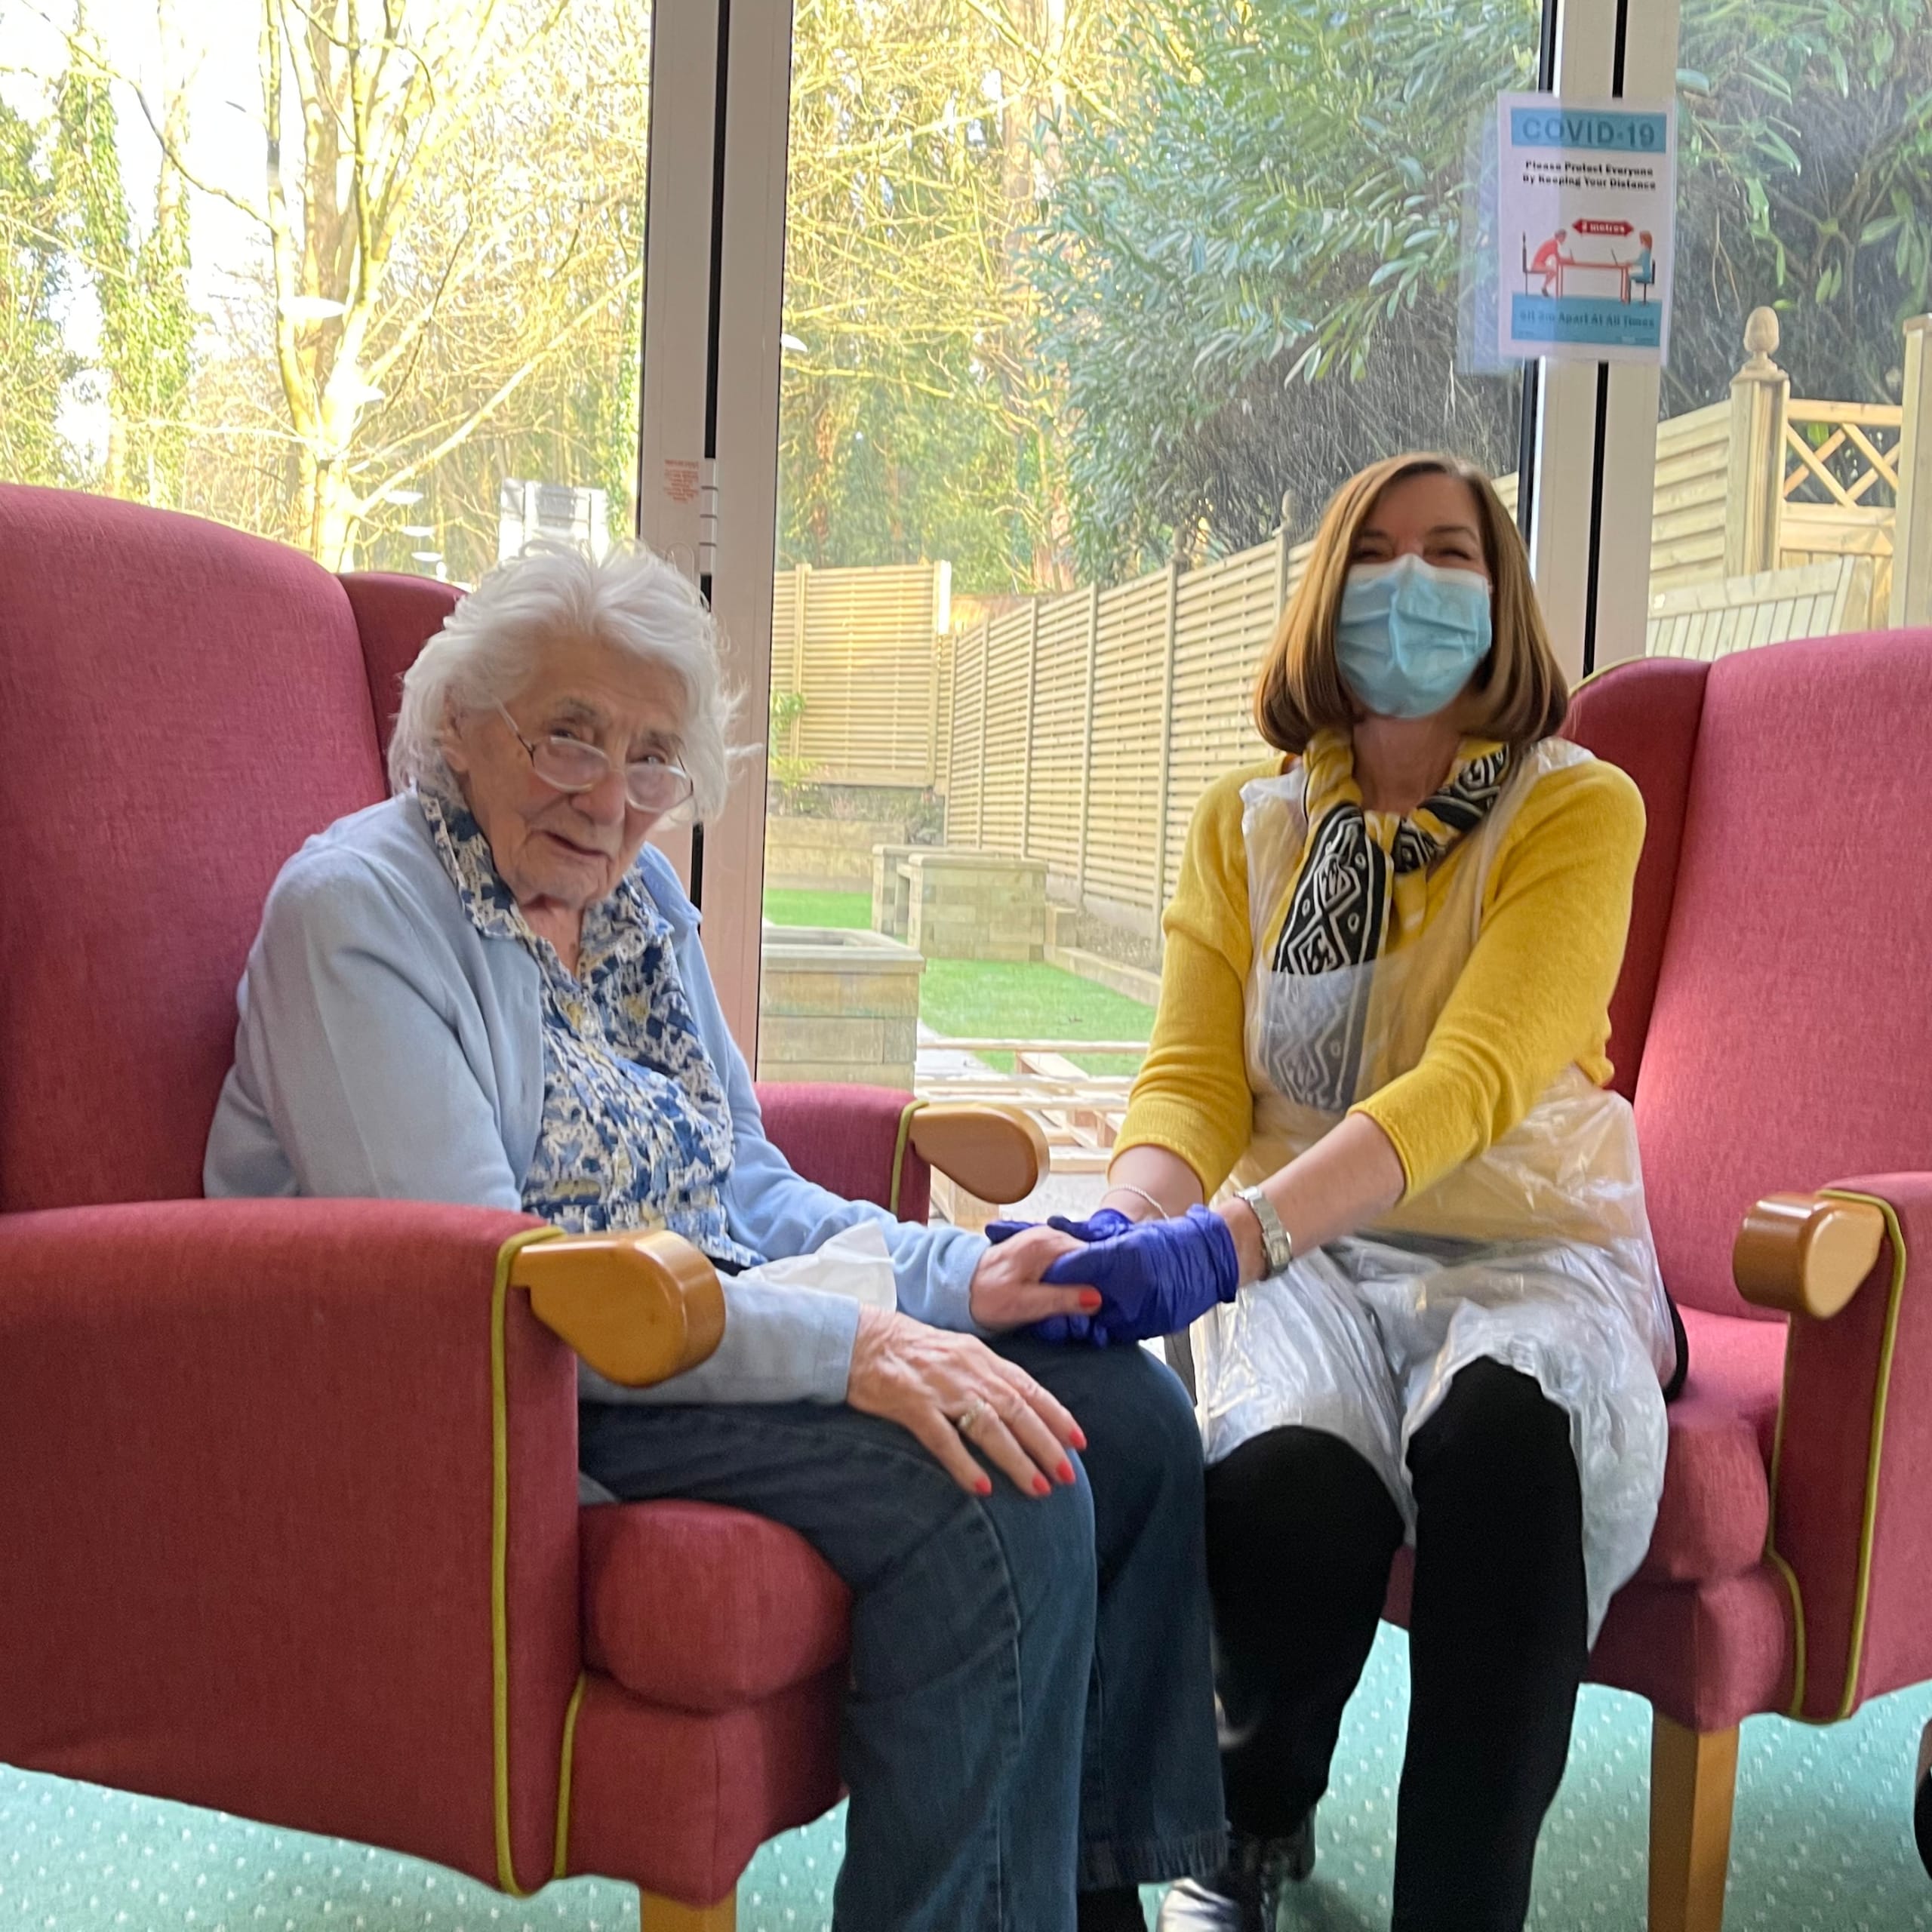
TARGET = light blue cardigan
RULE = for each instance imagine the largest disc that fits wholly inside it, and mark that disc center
(388, 1048)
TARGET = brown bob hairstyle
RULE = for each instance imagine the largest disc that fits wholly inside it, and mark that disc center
(1518, 693)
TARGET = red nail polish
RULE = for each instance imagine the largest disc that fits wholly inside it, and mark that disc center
(1041, 1486)
(982, 1486)
(1066, 1470)
(1079, 1438)
(1090, 1303)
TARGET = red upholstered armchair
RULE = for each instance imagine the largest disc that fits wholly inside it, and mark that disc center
(1773, 1030)
(289, 1504)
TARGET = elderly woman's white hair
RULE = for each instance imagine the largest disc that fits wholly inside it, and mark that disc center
(490, 645)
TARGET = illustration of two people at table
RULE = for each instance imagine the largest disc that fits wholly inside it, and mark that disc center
(1577, 252)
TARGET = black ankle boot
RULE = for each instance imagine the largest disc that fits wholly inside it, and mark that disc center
(1243, 1895)
(1117, 1909)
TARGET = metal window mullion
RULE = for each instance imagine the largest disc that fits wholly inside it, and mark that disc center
(1566, 404)
(676, 349)
(1595, 445)
(1629, 457)
(751, 283)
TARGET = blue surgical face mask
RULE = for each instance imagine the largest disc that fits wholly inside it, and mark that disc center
(1409, 634)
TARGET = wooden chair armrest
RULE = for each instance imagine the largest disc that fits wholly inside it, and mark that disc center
(1806, 1254)
(996, 1153)
(639, 1307)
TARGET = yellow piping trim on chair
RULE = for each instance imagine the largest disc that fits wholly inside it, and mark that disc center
(900, 1146)
(1796, 1707)
(1880, 1401)
(499, 1526)
(1874, 1454)
(560, 1866)
(1791, 1583)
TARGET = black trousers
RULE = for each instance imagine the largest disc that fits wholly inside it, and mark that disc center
(1300, 1534)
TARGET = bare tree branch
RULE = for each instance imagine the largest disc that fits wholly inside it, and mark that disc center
(505, 391)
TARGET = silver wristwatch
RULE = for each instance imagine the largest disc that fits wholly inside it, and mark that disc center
(1277, 1244)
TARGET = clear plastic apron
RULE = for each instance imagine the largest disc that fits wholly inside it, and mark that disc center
(1536, 1254)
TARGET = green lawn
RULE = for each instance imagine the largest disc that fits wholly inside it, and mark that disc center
(987, 999)
(818, 909)
(995, 999)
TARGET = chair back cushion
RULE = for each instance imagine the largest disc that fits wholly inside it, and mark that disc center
(1643, 718)
(180, 707)
(850, 1139)
(1789, 1042)
(397, 616)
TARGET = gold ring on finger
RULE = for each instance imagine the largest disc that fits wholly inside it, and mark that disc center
(967, 1423)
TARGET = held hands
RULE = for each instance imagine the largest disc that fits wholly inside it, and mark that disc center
(950, 1391)
(1102, 1225)
(1157, 1277)
(1009, 1289)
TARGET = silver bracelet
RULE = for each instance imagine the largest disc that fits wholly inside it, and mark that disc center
(1127, 1187)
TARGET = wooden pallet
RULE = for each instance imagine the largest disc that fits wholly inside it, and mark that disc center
(1080, 1112)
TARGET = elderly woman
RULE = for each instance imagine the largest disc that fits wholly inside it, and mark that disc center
(1429, 1306)
(489, 990)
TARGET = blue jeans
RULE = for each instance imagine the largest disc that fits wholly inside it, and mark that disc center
(1032, 1708)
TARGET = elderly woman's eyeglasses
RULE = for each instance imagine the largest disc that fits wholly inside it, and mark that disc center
(652, 784)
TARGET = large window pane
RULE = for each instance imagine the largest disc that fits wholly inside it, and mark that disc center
(364, 278)
(1085, 317)
(1805, 238)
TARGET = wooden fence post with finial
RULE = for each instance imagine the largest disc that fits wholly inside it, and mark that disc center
(1754, 495)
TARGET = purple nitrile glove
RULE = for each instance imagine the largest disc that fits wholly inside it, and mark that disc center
(1102, 1225)
(1158, 1277)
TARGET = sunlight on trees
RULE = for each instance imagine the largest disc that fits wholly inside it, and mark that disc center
(918, 418)
(1067, 291)
(445, 200)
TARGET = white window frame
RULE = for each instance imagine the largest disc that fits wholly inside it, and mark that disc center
(1597, 424)
(720, 96)
(714, 285)
(676, 348)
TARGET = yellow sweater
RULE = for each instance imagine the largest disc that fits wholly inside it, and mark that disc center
(1533, 998)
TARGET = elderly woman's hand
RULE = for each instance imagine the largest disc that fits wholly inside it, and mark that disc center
(1007, 1289)
(949, 1390)
(1084, 1324)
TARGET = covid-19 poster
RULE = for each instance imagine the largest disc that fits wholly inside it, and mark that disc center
(1585, 228)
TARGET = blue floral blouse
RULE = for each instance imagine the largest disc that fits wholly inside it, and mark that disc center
(636, 1131)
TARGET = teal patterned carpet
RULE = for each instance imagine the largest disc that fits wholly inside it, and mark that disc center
(1823, 1843)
